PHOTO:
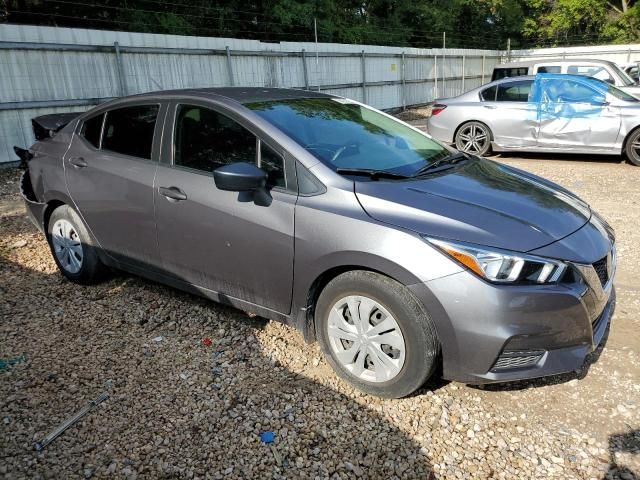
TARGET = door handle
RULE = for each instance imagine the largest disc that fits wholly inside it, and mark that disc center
(172, 193)
(490, 107)
(78, 162)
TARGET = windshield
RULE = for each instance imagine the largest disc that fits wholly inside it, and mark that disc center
(343, 134)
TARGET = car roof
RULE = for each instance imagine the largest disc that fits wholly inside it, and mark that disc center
(237, 94)
(529, 63)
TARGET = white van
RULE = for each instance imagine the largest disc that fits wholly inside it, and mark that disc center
(601, 69)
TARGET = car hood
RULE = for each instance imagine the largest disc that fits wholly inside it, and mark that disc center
(480, 202)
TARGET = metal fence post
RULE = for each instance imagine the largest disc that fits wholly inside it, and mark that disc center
(444, 46)
(230, 67)
(483, 68)
(120, 68)
(304, 70)
(404, 83)
(364, 78)
(435, 76)
(463, 75)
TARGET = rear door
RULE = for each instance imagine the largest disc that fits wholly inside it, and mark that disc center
(110, 169)
(510, 113)
(219, 240)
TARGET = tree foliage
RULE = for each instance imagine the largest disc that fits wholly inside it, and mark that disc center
(467, 23)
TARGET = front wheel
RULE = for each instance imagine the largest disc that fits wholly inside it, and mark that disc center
(473, 137)
(375, 334)
(632, 148)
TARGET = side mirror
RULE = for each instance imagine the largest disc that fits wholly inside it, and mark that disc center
(240, 177)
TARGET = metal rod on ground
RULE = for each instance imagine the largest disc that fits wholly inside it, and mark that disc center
(404, 83)
(364, 78)
(304, 70)
(39, 446)
(120, 68)
(230, 67)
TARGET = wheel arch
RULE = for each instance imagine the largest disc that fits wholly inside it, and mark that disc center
(317, 285)
(626, 140)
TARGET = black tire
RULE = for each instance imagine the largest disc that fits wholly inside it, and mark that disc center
(91, 269)
(421, 343)
(633, 153)
(479, 149)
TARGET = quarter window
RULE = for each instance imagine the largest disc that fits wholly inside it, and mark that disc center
(514, 91)
(129, 130)
(489, 94)
(91, 130)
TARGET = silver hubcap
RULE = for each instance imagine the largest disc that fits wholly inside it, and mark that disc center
(472, 138)
(366, 339)
(67, 246)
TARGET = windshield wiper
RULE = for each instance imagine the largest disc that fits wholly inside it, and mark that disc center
(445, 161)
(373, 174)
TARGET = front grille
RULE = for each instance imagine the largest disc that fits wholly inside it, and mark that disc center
(517, 359)
(602, 270)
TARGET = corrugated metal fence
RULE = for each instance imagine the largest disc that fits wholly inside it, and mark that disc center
(48, 70)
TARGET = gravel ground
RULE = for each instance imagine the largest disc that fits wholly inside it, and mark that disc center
(179, 408)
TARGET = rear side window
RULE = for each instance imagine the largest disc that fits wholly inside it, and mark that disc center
(514, 91)
(129, 130)
(549, 69)
(92, 129)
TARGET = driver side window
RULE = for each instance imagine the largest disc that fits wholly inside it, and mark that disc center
(205, 140)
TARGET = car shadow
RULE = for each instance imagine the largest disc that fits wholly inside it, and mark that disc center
(179, 406)
(571, 157)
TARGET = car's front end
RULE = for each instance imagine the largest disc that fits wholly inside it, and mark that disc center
(494, 332)
(535, 295)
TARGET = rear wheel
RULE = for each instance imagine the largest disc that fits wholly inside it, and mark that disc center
(473, 137)
(632, 147)
(71, 247)
(375, 334)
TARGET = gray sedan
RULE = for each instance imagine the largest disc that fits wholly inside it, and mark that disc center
(545, 113)
(393, 251)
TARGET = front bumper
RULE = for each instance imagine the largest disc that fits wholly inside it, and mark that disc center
(496, 333)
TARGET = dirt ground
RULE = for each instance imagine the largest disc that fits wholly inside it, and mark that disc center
(180, 409)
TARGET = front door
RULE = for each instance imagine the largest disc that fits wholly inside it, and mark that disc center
(219, 240)
(575, 116)
(110, 169)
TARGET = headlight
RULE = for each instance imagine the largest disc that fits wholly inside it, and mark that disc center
(502, 266)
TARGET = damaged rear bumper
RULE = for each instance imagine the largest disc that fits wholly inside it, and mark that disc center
(35, 209)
